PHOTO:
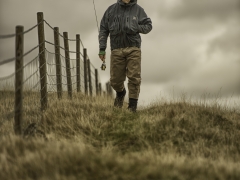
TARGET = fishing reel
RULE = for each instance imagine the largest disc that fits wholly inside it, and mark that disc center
(103, 67)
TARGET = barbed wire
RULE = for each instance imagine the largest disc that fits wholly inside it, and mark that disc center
(7, 77)
(55, 75)
(27, 79)
(12, 59)
(62, 55)
(62, 35)
(58, 32)
(13, 35)
(74, 75)
(11, 75)
(81, 74)
(32, 79)
(62, 48)
(16, 34)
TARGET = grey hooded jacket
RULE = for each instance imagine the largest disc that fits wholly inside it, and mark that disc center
(124, 22)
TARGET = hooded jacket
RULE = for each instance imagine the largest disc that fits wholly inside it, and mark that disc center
(123, 22)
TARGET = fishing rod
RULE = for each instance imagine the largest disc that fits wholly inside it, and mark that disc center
(103, 67)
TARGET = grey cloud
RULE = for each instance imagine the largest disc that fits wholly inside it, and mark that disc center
(220, 10)
(174, 54)
(171, 59)
(228, 42)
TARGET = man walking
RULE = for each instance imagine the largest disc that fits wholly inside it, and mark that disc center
(124, 21)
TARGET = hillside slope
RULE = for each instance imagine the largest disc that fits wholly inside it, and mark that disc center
(89, 139)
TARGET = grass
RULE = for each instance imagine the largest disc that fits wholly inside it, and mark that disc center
(89, 139)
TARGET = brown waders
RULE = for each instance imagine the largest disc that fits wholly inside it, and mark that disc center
(126, 62)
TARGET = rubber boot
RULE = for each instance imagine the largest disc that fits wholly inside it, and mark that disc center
(132, 105)
(118, 102)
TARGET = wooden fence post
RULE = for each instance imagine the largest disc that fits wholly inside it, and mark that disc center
(107, 90)
(78, 63)
(90, 77)
(18, 80)
(85, 71)
(96, 81)
(100, 89)
(110, 90)
(42, 63)
(67, 60)
(58, 62)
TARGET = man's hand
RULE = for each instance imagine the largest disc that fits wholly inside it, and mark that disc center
(102, 55)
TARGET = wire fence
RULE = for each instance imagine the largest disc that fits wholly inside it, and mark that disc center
(25, 93)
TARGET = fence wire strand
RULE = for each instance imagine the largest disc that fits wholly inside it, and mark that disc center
(62, 35)
(31, 83)
(12, 59)
(61, 47)
(13, 35)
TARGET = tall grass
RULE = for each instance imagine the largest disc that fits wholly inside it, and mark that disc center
(90, 139)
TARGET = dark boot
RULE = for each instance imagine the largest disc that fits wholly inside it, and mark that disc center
(132, 106)
(119, 99)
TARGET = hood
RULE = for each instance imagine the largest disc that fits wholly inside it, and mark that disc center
(132, 2)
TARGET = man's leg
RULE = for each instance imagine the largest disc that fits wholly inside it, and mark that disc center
(118, 75)
(133, 55)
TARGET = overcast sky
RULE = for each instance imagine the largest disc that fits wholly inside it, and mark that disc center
(194, 47)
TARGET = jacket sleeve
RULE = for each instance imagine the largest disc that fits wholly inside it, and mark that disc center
(144, 22)
(104, 32)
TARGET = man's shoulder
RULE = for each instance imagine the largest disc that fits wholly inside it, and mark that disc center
(139, 7)
(112, 6)
(111, 9)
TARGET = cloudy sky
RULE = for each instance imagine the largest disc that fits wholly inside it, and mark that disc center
(193, 48)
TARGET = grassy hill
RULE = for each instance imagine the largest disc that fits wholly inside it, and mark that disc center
(89, 139)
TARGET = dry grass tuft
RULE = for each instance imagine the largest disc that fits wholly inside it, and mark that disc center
(89, 139)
